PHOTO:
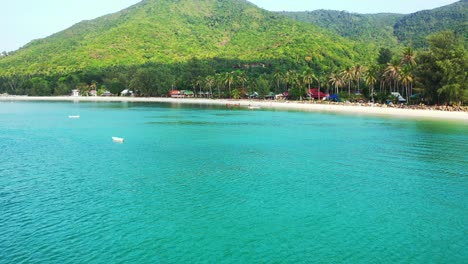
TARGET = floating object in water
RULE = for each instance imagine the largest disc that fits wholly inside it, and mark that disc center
(74, 116)
(254, 107)
(118, 139)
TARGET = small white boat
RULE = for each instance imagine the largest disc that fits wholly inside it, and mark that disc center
(118, 139)
(253, 107)
(74, 116)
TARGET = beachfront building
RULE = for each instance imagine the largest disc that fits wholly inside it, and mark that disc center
(75, 92)
(93, 92)
(126, 92)
(181, 93)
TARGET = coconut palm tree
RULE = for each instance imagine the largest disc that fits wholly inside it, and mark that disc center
(406, 78)
(358, 72)
(199, 83)
(210, 81)
(278, 77)
(348, 76)
(308, 77)
(292, 79)
(409, 57)
(336, 80)
(370, 77)
(242, 77)
(392, 72)
(229, 80)
(219, 80)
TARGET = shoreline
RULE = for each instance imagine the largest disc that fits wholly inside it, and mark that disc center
(363, 109)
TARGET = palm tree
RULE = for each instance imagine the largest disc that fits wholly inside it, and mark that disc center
(199, 84)
(392, 72)
(358, 72)
(348, 75)
(409, 57)
(292, 80)
(308, 77)
(406, 78)
(209, 81)
(278, 77)
(219, 80)
(229, 80)
(242, 77)
(336, 80)
(370, 78)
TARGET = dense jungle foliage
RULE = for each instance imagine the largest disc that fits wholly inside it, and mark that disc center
(376, 29)
(390, 29)
(231, 49)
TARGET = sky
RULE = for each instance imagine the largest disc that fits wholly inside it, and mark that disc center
(24, 20)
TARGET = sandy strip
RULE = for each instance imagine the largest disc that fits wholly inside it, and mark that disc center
(285, 105)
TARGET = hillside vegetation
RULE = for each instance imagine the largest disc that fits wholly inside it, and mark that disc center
(414, 28)
(376, 29)
(390, 29)
(175, 31)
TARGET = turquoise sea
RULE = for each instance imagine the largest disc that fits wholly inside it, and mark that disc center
(197, 184)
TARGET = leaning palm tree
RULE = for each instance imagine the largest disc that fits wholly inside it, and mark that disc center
(348, 75)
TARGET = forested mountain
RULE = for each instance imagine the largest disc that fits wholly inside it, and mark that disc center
(390, 29)
(414, 28)
(176, 31)
(375, 28)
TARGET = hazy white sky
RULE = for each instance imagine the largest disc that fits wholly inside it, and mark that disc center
(24, 20)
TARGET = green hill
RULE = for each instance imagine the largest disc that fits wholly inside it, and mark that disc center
(414, 28)
(376, 28)
(176, 31)
(390, 29)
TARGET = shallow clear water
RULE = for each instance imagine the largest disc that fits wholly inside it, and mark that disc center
(198, 184)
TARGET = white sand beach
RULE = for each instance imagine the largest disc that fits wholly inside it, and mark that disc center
(354, 109)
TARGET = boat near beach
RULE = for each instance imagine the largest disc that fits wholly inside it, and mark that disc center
(118, 139)
(74, 116)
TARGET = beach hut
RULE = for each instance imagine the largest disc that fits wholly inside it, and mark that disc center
(93, 92)
(126, 92)
(174, 93)
(75, 93)
(187, 93)
(106, 93)
(270, 95)
(316, 94)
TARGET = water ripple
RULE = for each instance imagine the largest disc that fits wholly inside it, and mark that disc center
(228, 187)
